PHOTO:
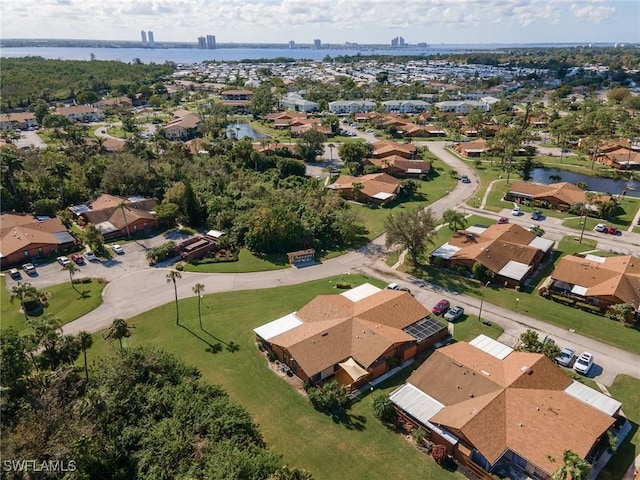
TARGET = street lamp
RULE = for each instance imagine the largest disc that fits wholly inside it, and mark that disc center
(517, 301)
(482, 301)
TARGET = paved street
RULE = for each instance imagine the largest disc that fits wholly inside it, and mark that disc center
(135, 287)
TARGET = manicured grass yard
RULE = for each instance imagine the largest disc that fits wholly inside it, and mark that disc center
(624, 215)
(247, 262)
(469, 328)
(64, 302)
(361, 448)
(627, 390)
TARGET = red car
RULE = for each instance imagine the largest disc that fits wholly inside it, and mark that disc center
(77, 258)
(503, 220)
(441, 307)
(612, 231)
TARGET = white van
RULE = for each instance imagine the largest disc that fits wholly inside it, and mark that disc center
(393, 286)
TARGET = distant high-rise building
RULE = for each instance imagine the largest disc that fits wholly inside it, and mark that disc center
(143, 34)
(211, 42)
(394, 42)
(152, 42)
(202, 42)
(292, 44)
(401, 43)
(317, 44)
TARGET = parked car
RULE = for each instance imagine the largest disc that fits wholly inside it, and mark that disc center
(454, 313)
(613, 231)
(536, 215)
(90, 256)
(117, 249)
(62, 260)
(393, 286)
(465, 179)
(601, 227)
(583, 363)
(77, 258)
(15, 274)
(516, 211)
(29, 268)
(502, 220)
(566, 356)
(441, 307)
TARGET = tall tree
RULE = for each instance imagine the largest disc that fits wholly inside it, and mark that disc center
(72, 269)
(123, 207)
(62, 172)
(454, 219)
(86, 341)
(310, 145)
(94, 238)
(172, 276)
(11, 163)
(23, 292)
(411, 230)
(118, 330)
(198, 288)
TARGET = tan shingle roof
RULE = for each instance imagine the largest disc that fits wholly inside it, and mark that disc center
(18, 232)
(564, 192)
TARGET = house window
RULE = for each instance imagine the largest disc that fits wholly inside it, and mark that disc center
(518, 460)
(40, 252)
(26, 254)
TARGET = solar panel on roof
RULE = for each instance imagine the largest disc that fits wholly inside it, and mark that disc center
(425, 328)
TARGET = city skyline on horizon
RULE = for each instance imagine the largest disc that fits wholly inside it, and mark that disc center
(332, 21)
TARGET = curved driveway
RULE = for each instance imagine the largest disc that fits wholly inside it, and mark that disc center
(138, 291)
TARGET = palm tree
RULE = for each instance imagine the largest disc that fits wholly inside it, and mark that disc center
(198, 288)
(287, 473)
(454, 219)
(171, 277)
(86, 341)
(72, 269)
(572, 466)
(11, 163)
(118, 330)
(331, 147)
(23, 292)
(123, 206)
(356, 188)
(94, 238)
(62, 172)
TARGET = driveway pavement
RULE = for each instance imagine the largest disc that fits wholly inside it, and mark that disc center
(30, 139)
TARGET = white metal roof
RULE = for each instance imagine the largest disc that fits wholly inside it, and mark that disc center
(382, 195)
(491, 346)
(543, 244)
(579, 290)
(592, 397)
(594, 258)
(445, 251)
(514, 270)
(358, 293)
(215, 233)
(276, 327)
(415, 402)
(476, 229)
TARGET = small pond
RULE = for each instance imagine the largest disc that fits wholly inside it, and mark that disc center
(241, 130)
(596, 184)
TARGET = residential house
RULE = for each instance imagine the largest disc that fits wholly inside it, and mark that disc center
(473, 149)
(509, 413)
(285, 119)
(353, 337)
(294, 101)
(508, 250)
(398, 166)
(539, 120)
(599, 281)
(301, 126)
(81, 113)
(488, 102)
(120, 103)
(620, 158)
(405, 106)
(118, 216)
(560, 196)
(18, 120)
(341, 107)
(112, 145)
(386, 148)
(238, 100)
(376, 188)
(24, 237)
(184, 126)
(461, 106)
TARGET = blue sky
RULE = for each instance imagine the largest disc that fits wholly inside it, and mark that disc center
(332, 21)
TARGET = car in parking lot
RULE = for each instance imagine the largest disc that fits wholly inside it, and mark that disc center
(516, 211)
(454, 313)
(392, 286)
(613, 231)
(601, 227)
(566, 356)
(441, 307)
(15, 274)
(583, 363)
(536, 215)
(29, 268)
(465, 179)
(77, 258)
(502, 220)
(63, 260)
(117, 249)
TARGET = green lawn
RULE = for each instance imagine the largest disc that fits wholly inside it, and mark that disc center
(625, 389)
(64, 302)
(622, 218)
(247, 262)
(469, 328)
(360, 448)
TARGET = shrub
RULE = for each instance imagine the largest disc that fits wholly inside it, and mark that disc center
(419, 435)
(439, 454)
(180, 266)
(343, 285)
(271, 356)
(382, 407)
(392, 362)
(330, 398)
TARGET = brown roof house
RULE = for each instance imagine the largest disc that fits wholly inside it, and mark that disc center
(351, 336)
(600, 281)
(184, 126)
(24, 238)
(121, 102)
(561, 196)
(386, 148)
(511, 252)
(621, 158)
(112, 220)
(18, 120)
(502, 411)
(377, 188)
(472, 149)
(398, 166)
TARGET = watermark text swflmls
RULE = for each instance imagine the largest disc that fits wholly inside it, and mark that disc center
(39, 465)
